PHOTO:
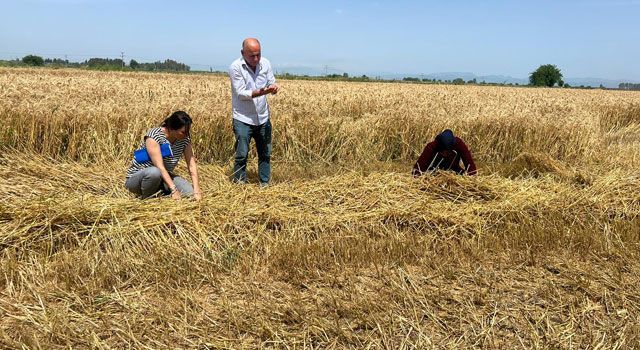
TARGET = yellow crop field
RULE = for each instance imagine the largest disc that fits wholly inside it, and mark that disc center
(344, 249)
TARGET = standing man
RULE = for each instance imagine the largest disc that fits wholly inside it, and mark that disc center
(251, 80)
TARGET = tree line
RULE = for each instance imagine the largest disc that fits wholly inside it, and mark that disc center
(628, 86)
(102, 64)
(547, 75)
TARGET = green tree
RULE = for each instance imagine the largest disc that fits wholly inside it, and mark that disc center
(545, 75)
(628, 86)
(33, 60)
(458, 81)
(134, 64)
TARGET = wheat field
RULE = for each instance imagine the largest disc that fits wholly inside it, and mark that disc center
(345, 249)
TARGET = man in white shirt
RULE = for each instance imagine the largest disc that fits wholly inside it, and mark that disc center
(251, 80)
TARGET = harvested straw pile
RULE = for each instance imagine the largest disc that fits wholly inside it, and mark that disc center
(380, 260)
(539, 165)
(345, 249)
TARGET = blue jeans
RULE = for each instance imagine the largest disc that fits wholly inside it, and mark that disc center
(262, 135)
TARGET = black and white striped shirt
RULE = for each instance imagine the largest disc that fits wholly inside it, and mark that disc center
(169, 162)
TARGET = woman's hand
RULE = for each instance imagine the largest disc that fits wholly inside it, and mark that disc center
(193, 171)
(175, 194)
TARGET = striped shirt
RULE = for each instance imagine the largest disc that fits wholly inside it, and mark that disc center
(169, 162)
(247, 109)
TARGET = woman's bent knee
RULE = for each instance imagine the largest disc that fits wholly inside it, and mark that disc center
(152, 173)
(183, 186)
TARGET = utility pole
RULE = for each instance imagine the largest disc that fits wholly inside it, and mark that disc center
(326, 68)
(122, 58)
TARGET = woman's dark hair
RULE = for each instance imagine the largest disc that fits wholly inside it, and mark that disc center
(177, 120)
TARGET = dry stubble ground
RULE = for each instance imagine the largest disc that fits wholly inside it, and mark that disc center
(344, 250)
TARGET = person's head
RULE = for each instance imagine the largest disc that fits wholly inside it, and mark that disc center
(178, 124)
(446, 141)
(251, 51)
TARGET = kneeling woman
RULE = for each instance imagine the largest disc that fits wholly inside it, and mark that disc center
(146, 178)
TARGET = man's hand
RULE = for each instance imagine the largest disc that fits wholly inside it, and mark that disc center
(272, 89)
(197, 195)
(176, 195)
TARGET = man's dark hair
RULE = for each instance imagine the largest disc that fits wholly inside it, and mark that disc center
(177, 120)
(446, 140)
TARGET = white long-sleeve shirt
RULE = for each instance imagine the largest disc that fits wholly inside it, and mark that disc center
(253, 111)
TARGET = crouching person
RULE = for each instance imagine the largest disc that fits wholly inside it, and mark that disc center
(151, 171)
(445, 153)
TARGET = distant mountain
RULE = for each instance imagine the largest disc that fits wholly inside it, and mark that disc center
(451, 75)
(505, 79)
(595, 82)
(300, 70)
(466, 76)
(500, 79)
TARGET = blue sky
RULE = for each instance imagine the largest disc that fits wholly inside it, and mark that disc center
(584, 38)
